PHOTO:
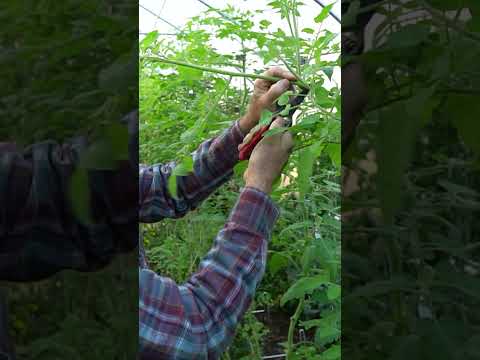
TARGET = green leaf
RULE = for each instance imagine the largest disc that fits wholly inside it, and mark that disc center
(266, 117)
(275, 4)
(240, 168)
(332, 353)
(286, 111)
(304, 286)
(306, 162)
(326, 335)
(328, 70)
(334, 151)
(327, 321)
(398, 129)
(184, 168)
(333, 291)
(265, 23)
(350, 17)
(308, 30)
(80, 195)
(277, 262)
(305, 168)
(322, 96)
(323, 14)
(274, 131)
(407, 36)
(284, 98)
(296, 226)
(189, 74)
(149, 39)
(172, 186)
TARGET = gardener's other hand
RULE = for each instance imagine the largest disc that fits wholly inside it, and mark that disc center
(268, 158)
(265, 93)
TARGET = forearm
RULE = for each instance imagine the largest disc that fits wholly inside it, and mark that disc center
(205, 311)
(213, 165)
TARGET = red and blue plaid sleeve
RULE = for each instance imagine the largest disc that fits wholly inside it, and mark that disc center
(40, 234)
(213, 166)
(197, 320)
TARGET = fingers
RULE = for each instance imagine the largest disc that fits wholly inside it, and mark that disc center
(275, 91)
(287, 141)
(246, 140)
(286, 137)
(278, 122)
(280, 72)
(275, 71)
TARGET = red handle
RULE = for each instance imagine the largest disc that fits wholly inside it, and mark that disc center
(246, 149)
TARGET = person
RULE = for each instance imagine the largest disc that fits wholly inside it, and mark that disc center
(194, 320)
(197, 319)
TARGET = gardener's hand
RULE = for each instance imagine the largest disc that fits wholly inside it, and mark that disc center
(268, 158)
(265, 93)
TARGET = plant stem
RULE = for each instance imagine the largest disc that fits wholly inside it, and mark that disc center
(290, 11)
(311, 51)
(293, 324)
(219, 71)
(291, 69)
(297, 36)
(244, 70)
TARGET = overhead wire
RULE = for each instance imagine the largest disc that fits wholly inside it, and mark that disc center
(160, 18)
(218, 11)
(332, 14)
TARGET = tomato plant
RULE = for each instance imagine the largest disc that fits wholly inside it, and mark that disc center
(189, 90)
(411, 221)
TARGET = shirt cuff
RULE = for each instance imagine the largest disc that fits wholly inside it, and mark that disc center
(256, 211)
(237, 132)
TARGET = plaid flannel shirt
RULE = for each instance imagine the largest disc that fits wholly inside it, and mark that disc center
(197, 319)
(39, 233)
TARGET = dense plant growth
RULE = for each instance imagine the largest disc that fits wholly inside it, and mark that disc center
(67, 69)
(189, 91)
(411, 239)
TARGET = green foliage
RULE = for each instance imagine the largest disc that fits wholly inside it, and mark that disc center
(74, 313)
(410, 278)
(63, 69)
(68, 68)
(189, 91)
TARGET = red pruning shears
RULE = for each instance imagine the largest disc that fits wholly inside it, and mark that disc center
(294, 102)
